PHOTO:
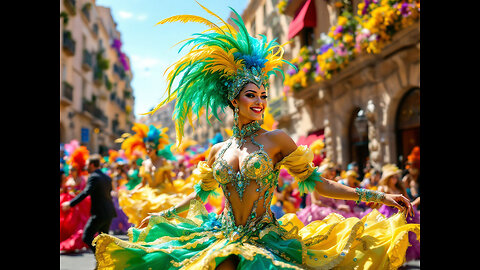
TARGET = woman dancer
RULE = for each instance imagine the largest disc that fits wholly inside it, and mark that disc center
(73, 220)
(227, 67)
(156, 191)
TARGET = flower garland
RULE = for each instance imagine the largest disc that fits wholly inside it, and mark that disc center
(365, 33)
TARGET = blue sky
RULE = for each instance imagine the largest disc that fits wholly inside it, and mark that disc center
(149, 47)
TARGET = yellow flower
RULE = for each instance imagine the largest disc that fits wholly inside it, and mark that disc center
(347, 38)
(329, 54)
(304, 50)
(360, 8)
(342, 20)
(308, 65)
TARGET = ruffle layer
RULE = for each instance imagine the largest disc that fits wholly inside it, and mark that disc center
(198, 242)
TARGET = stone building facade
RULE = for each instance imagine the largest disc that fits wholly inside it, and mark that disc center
(369, 111)
(96, 98)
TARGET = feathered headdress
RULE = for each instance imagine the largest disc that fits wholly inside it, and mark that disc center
(78, 159)
(155, 137)
(220, 63)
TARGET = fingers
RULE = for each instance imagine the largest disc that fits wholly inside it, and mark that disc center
(407, 206)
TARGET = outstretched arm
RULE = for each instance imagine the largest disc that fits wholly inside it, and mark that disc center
(185, 204)
(332, 189)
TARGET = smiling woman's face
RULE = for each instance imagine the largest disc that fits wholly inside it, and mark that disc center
(251, 102)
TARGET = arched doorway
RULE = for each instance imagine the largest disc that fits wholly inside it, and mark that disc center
(358, 138)
(407, 124)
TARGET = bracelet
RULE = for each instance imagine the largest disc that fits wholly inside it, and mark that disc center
(169, 212)
(367, 195)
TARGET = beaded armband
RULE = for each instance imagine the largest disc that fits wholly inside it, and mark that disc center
(367, 195)
(169, 212)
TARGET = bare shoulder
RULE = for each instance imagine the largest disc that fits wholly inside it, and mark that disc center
(284, 142)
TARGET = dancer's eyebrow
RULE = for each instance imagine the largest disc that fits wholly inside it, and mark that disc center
(255, 92)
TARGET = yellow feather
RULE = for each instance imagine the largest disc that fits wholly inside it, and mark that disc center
(211, 13)
(188, 18)
(223, 61)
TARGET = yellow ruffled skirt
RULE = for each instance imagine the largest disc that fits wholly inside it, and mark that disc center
(201, 241)
(136, 205)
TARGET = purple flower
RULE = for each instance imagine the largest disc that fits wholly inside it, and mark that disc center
(365, 8)
(291, 72)
(339, 29)
(325, 48)
(404, 10)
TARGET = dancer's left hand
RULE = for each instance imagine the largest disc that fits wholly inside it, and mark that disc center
(400, 202)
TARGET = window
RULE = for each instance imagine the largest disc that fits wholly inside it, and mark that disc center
(307, 36)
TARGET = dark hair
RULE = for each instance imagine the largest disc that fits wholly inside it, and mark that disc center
(95, 160)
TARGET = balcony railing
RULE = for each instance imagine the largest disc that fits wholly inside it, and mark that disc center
(86, 11)
(95, 29)
(92, 109)
(98, 76)
(88, 106)
(68, 43)
(67, 91)
(120, 102)
(119, 70)
(98, 113)
(87, 60)
(70, 6)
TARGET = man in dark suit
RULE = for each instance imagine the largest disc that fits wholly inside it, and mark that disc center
(99, 187)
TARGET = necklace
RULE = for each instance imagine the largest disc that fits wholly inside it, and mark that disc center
(246, 131)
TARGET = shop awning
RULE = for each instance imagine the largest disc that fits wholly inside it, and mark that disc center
(306, 17)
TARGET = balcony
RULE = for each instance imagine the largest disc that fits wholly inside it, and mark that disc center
(99, 115)
(67, 92)
(86, 11)
(68, 43)
(117, 100)
(119, 70)
(88, 106)
(95, 29)
(98, 76)
(94, 111)
(87, 60)
(70, 6)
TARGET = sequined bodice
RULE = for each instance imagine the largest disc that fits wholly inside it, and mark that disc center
(257, 171)
(257, 165)
(156, 177)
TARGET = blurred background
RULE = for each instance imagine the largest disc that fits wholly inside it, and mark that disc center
(357, 87)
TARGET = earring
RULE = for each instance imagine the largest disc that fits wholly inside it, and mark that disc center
(235, 117)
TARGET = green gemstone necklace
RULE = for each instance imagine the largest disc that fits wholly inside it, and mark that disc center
(246, 131)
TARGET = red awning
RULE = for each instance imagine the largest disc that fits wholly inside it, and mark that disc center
(306, 17)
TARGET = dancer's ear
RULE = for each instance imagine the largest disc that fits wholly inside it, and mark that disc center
(234, 102)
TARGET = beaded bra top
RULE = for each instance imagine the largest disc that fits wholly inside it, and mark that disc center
(258, 167)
